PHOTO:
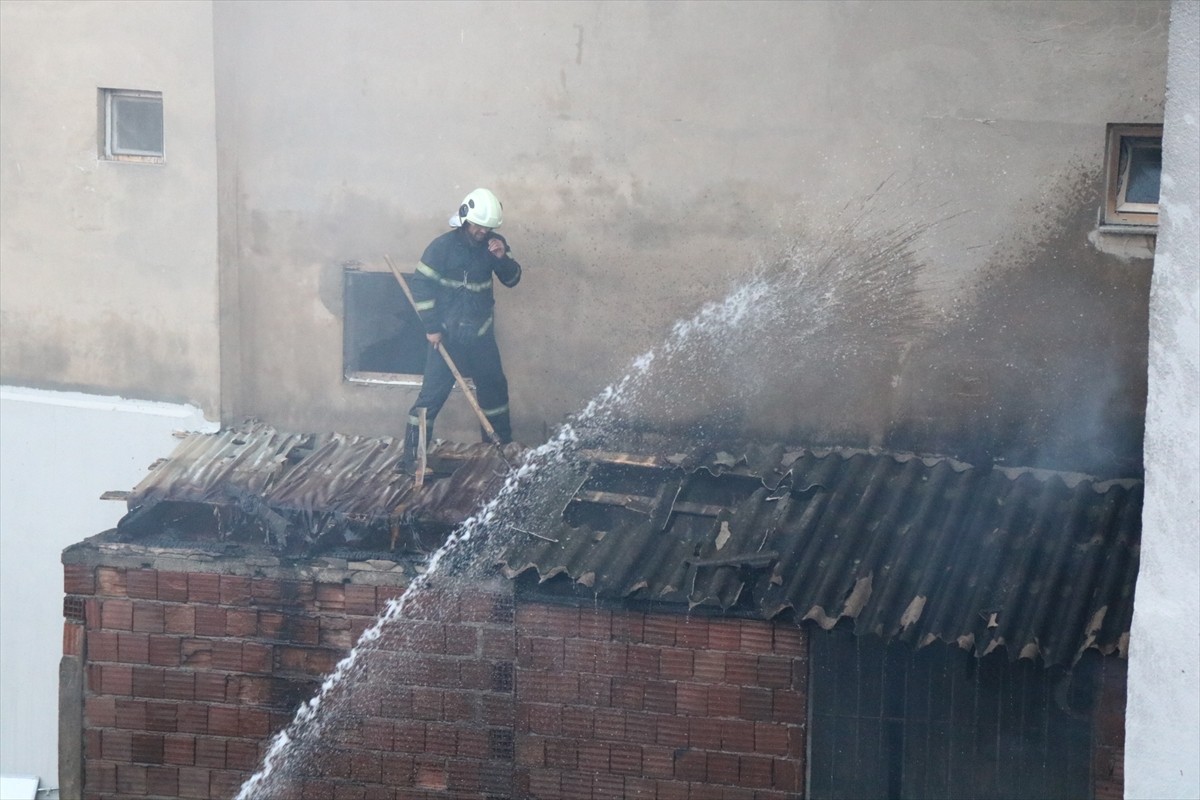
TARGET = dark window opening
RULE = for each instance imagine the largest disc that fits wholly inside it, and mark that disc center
(1134, 168)
(131, 126)
(891, 722)
(383, 340)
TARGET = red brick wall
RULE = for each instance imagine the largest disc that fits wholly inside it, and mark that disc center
(623, 704)
(187, 675)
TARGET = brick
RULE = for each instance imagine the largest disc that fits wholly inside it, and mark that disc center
(224, 783)
(659, 697)
(497, 644)
(789, 640)
(627, 626)
(100, 777)
(193, 782)
(91, 613)
(210, 752)
(787, 706)
(704, 733)
(179, 749)
(461, 707)
(550, 688)
(172, 587)
(133, 648)
(242, 755)
(74, 639)
(540, 718)
(737, 735)
(608, 787)
(116, 745)
(147, 682)
(110, 582)
(722, 768)
(755, 704)
(366, 767)
(162, 717)
(693, 633)
(211, 687)
(551, 621)
(594, 756)
(227, 655)
(162, 781)
(499, 709)
(147, 748)
(408, 736)
(130, 714)
(179, 620)
(102, 645)
(627, 693)
(204, 587)
(331, 597)
(671, 731)
(179, 685)
(223, 720)
(210, 620)
(724, 635)
(142, 583)
(256, 658)
(530, 751)
(250, 690)
(269, 624)
(774, 672)
(642, 661)
(691, 699)
(241, 623)
(659, 629)
(786, 775)
(690, 766)
(79, 579)
(235, 590)
(595, 624)
(544, 784)
(114, 679)
(675, 664)
(741, 669)
(100, 712)
(192, 718)
(268, 590)
(626, 759)
(609, 723)
(148, 617)
(116, 615)
(131, 779)
(754, 772)
(576, 786)
(540, 652)
(360, 599)
(724, 701)
(708, 666)
(253, 722)
(578, 723)
(771, 739)
(164, 651)
(562, 754)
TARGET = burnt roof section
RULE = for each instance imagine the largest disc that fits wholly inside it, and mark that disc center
(910, 548)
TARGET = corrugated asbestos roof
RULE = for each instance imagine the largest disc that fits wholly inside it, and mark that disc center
(910, 548)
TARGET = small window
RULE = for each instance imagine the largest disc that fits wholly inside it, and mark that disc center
(1134, 154)
(383, 340)
(131, 126)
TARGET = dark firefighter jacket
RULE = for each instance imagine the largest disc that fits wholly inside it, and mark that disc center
(452, 285)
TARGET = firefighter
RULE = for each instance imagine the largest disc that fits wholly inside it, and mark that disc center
(452, 288)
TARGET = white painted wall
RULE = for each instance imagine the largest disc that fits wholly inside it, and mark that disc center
(1162, 743)
(58, 453)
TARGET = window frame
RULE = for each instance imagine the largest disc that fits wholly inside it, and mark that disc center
(350, 324)
(109, 148)
(1118, 214)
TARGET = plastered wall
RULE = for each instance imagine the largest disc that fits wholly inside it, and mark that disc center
(108, 270)
(652, 155)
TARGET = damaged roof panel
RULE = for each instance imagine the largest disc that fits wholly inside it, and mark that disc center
(912, 548)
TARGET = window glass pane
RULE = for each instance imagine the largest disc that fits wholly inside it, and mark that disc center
(1145, 168)
(382, 332)
(137, 125)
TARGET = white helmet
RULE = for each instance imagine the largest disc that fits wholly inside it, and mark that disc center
(483, 208)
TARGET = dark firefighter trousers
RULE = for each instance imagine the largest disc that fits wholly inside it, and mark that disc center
(476, 357)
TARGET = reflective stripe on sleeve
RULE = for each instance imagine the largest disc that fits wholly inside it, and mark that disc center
(425, 305)
(495, 412)
(485, 327)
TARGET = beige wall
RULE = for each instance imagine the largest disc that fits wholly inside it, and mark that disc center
(109, 269)
(649, 154)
